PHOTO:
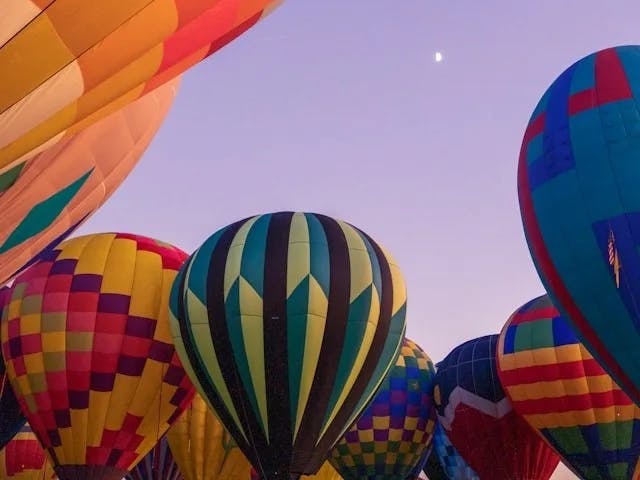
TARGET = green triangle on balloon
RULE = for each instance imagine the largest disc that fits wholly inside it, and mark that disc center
(43, 214)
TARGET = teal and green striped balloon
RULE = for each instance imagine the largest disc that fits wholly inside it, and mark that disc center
(287, 323)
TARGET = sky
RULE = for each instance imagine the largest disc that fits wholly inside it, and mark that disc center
(339, 107)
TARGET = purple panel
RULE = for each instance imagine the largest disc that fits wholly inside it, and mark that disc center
(63, 418)
(78, 399)
(132, 366)
(102, 382)
(140, 327)
(86, 282)
(62, 267)
(114, 303)
(161, 352)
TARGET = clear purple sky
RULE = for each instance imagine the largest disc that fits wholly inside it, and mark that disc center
(338, 107)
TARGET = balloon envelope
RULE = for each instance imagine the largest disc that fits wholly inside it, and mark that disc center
(65, 64)
(577, 183)
(562, 392)
(287, 323)
(391, 437)
(23, 458)
(203, 449)
(86, 340)
(479, 419)
(46, 198)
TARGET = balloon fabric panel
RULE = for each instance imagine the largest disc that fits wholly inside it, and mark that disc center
(563, 393)
(577, 186)
(311, 304)
(67, 63)
(57, 190)
(88, 351)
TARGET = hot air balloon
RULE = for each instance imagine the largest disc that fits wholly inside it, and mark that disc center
(287, 323)
(11, 417)
(479, 419)
(563, 393)
(203, 449)
(44, 199)
(86, 341)
(391, 437)
(577, 183)
(23, 458)
(326, 472)
(64, 65)
(454, 466)
(158, 464)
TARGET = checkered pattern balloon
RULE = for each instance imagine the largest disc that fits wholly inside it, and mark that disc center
(287, 323)
(578, 178)
(392, 435)
(480, 421)
(86, 340)
(563, 392)
(24, 459)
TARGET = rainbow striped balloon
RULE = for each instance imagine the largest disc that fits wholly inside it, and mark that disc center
(564, 394)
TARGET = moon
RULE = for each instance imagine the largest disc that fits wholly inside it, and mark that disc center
(438, 57)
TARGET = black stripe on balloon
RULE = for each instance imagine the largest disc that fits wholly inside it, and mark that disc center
(305, 449)
(255, 444)
(276, 365)
(371, 361)
(191, 347)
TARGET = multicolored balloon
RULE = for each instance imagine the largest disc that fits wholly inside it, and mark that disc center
(44, 199)
(86, 340)
(563, 393)
(11, 417)
(23, 458)
(480, 421)
(392, 436)
(158, 464)
(448, 458)
(578, 182)
(287, 323)
(203, 449)
(65, 65)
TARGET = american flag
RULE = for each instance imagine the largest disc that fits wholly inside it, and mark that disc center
(614, 259)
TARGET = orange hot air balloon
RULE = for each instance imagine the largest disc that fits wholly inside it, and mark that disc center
(24, 459)
(66, 63)
(44, 199)
(85, 336)
(203, 449)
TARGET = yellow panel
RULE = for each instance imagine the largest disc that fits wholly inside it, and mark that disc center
(79, 424)
(299, 254)
(147, 285)
(124, 388)
(100, 246)
(234, 256)
(29, 58)
(99, 406)
(118, 272)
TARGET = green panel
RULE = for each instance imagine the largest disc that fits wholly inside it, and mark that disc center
(8, 178)
(298, 301)
(616, 435)
(43, 214)
(320, 263)
(234, 327)
(253, 253)
(534, 335)
(571, 440)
